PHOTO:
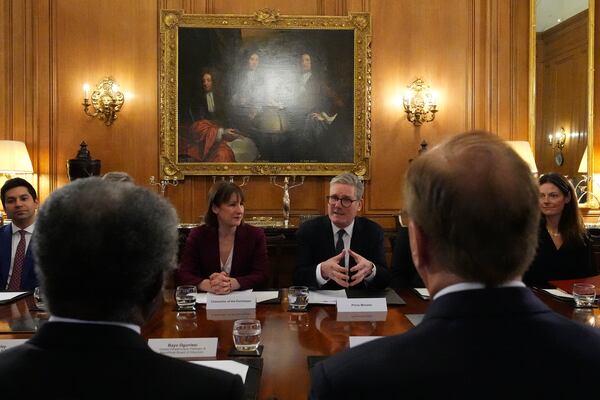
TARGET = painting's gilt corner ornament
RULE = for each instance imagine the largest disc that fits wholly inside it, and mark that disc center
(171, 19)
(361, 21)
(171, 170)
(266, 16)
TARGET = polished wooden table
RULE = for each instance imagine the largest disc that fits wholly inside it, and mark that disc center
(288, 337)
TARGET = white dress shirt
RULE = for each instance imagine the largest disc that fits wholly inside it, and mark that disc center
(347, 238)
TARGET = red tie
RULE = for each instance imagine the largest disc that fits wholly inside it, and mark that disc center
(15, 278)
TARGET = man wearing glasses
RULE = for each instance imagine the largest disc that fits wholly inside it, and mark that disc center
(341, 250)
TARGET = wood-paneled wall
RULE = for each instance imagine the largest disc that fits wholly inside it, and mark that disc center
(561, 92)
(473, 52)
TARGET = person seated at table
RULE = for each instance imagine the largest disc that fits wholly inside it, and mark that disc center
(224, 254)
(474, 217)
(101, 265)
(329, 243)
(564, 248)
(403, 272)
(17, 266)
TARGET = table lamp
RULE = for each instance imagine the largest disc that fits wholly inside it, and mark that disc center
(523, 149)
(14, 158)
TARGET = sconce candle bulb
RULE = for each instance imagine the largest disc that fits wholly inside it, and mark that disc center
(106, 100)
(86, 91)
(420, 103)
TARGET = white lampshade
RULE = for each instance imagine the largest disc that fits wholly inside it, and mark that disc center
(523, 149)
(14, 158)
(583, 164)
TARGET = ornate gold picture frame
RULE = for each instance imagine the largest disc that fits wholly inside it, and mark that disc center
(264, 94)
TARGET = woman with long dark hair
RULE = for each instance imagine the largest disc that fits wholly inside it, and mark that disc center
(564, 248)
(225, 254)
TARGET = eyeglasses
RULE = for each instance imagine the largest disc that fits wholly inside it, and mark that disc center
(345, 201)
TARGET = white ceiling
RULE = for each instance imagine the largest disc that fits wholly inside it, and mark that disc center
(548, 12)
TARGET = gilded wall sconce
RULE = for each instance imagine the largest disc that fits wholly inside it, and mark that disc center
(105, 101)
(557, 142)
(420, 103)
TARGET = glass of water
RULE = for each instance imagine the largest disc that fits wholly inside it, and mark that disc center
(584, 294)
(185, 296)
(246, 334)
(298, 298)
(38, 299)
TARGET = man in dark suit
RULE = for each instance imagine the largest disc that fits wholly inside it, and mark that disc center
(474, 214)
(20, 202)
(341, 250)
(101, 250)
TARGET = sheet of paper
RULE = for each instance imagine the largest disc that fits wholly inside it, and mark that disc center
(358, 340)
(266, 295)
(326, 296)
(6, 344)
(201, 297)
(415, 319)
(7, 296)
(232, 367)
(423, 292)
(558, 293)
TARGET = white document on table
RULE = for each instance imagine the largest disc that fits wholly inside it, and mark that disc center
(415, 319)
(558, 293)
(8, 296)
(422, 292)
(266, 295)
(358, 340)
(6, 344)
(233, 367)
(326, 296)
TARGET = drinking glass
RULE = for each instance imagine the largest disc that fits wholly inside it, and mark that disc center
(186, 297)
(298, 298)
(38, 299)
(584, 294)
(246, 334)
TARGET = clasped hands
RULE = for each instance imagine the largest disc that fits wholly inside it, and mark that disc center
(331, 269)
(219, 283)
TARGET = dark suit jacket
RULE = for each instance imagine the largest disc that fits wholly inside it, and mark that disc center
(315, 245)
(28, 279)
(249, 265)
(487, 343)
(403, 271)
(85, 361)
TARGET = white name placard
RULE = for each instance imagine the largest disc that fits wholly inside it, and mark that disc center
(185, 348)
(231, 301)
(231, 315)
(10, 343)
(361, 316)
(362, 305)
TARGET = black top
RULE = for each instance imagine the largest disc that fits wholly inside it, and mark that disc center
(404, 274)
(570, 261)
